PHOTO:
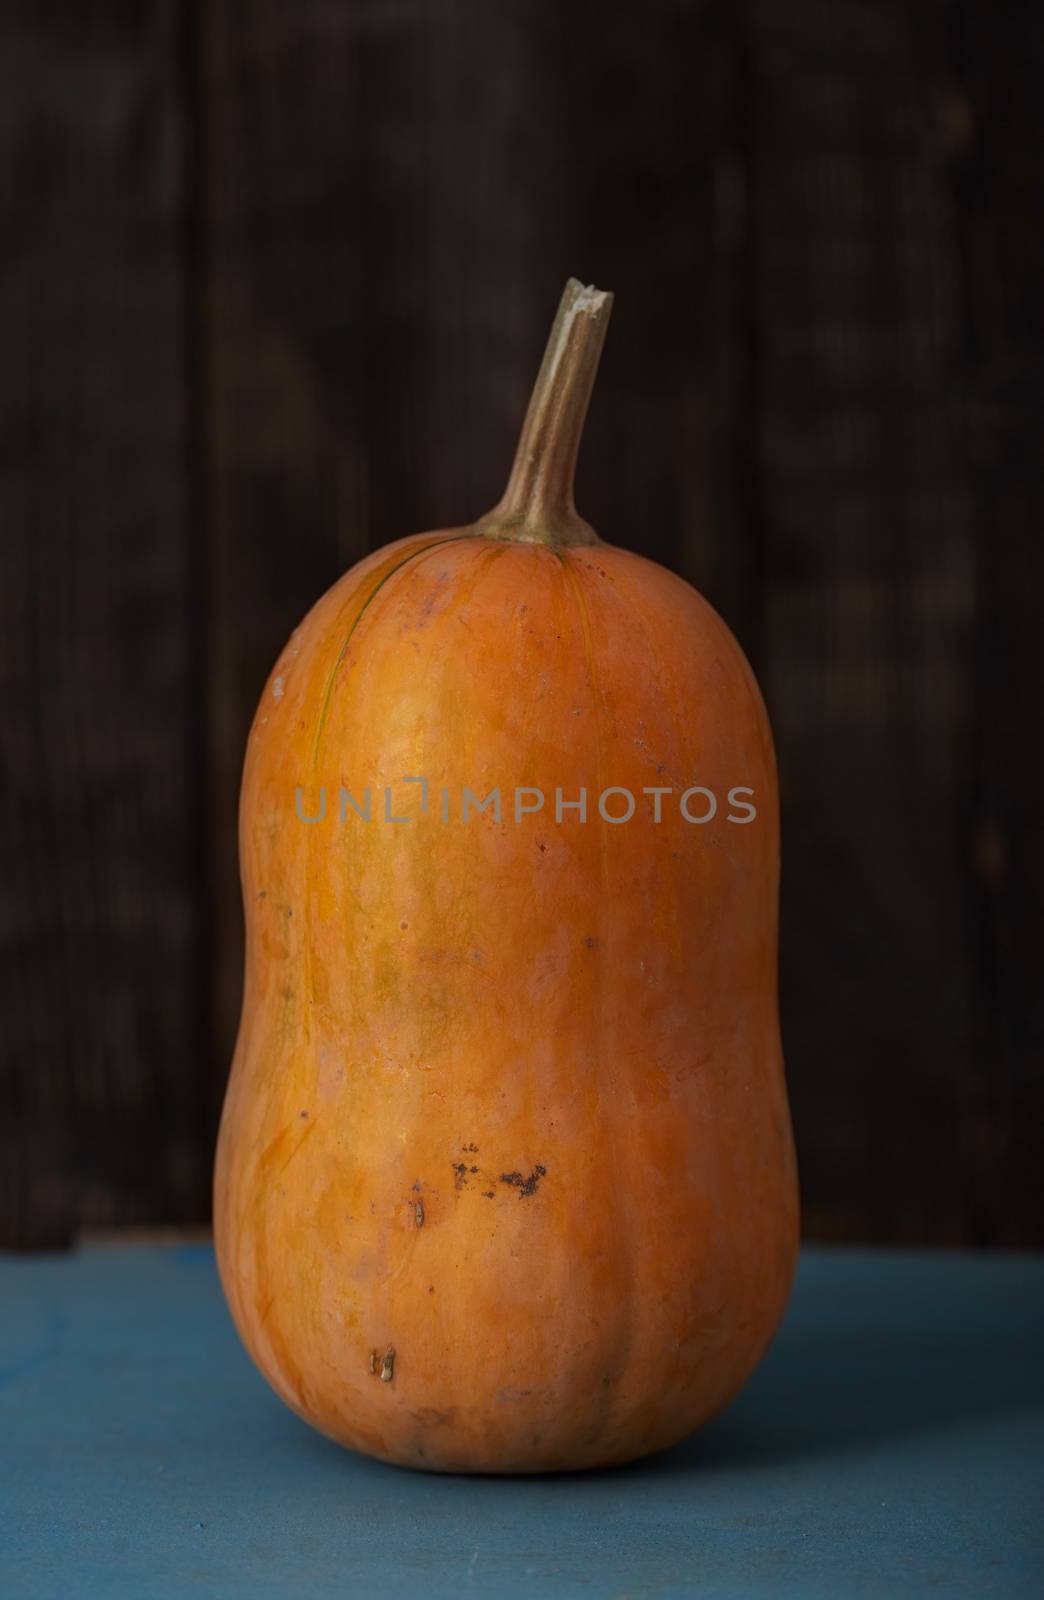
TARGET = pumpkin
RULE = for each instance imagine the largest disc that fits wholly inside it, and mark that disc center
(505, 1178)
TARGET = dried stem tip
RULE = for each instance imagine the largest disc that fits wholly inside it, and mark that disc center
(537, 506)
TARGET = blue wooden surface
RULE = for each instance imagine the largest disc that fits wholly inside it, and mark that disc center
(891, 1444)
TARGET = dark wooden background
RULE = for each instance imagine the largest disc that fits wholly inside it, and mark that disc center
(275, 280)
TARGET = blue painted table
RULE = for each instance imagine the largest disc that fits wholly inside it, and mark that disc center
(891, 1444)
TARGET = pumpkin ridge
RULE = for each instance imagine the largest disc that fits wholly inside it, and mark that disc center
(411, 560)
(324, 704)
(392, 1280)
(622, 1230)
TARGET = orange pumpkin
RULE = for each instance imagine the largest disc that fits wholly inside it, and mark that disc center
(505, 1179)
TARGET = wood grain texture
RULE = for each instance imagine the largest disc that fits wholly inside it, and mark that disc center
(995, 111)
(869, 605)
(101, 1067)
(276, 280)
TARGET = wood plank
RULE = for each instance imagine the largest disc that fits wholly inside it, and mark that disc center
(869, 606)
(994, 109)
(101, 1092)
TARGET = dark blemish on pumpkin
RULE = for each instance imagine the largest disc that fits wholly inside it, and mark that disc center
(388, 1366)
(460, 1175)
(473, 1169)
(404, 926)
(487, 1194)
(541, 846)
(590, 941)
(470, 1149)
(303, 1115)
(525, 1186)
(418, 1213)
(373, 1361)
(262, 894)
(429, 1417)
(431, 1288)
(417, 1187)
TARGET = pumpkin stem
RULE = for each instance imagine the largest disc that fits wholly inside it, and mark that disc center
(537, 505)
